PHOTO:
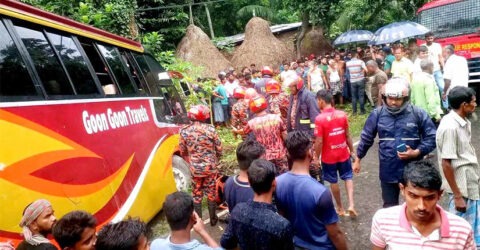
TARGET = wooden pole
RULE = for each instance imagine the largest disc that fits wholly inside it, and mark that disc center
(190, 13)
(212, 35)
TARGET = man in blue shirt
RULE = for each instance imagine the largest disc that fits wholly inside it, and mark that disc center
(306, 203)
(181, 218)
(237, 189)
(255, 224)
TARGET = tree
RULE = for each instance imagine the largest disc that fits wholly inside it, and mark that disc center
(372, 14)
(317, 13)
(116, 16)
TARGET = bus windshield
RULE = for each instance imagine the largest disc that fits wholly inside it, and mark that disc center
(452, 19)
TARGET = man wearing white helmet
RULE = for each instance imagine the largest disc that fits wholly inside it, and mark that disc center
(406, 133)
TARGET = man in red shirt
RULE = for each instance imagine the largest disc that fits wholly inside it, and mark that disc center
(333, 145)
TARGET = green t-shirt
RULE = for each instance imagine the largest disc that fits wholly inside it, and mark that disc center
(220, 89)
(324, 68)
(388, 62)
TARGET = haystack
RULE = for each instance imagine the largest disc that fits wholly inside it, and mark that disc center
(260, 46)
(197, 48)
(315, 43)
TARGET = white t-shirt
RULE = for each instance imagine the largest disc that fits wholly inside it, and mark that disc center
(416, 66)
(456, 70)
(434, 51)
(289, 74)
(230, 87)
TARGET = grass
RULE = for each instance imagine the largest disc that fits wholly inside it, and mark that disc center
(229, 143)
(356, 122)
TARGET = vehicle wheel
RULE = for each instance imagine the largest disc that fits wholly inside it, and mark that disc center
(181, 173)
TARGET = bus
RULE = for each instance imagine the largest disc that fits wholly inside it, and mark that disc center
(88, 121)
(456, 22)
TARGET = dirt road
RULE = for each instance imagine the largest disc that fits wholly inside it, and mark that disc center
(367, 196)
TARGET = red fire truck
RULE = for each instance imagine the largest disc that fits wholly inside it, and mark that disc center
(456, 22)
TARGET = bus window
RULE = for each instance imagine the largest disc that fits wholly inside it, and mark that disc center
(118, 70)
(149, 76)
(14, 77)
(137, 76)
(46, 63)
(162, 86)
(99, 67)
(74, 63)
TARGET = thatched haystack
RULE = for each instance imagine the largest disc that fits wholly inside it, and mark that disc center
(315, 43)
(197, 48)
(260, 46)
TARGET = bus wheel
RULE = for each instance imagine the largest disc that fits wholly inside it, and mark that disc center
(181, 173)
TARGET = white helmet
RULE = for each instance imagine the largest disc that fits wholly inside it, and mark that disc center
(397, 87)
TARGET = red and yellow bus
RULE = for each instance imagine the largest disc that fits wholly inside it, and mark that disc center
(87, 121)
(456, 22)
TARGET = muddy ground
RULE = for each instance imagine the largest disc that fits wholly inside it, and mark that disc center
(367, 199)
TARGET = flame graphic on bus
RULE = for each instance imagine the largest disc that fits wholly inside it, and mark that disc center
(27, 147)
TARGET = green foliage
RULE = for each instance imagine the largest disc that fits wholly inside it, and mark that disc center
(169, 23)
(153, 41)
(224, 44)
(228, 160)
(116, 16)
(372, 14)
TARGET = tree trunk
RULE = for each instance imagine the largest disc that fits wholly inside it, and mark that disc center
(190, 13)
(301, 34)
(133, 27)
(212, 35)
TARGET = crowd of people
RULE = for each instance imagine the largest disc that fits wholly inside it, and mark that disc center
(294, 139)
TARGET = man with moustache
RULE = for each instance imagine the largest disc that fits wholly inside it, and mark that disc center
(457, 158)
(420, 223)
(37, 222)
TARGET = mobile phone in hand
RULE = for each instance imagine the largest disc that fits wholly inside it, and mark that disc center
(402, 147)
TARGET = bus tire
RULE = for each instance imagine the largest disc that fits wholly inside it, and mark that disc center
(181, 173)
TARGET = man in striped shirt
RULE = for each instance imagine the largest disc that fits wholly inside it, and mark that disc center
(356, 69)
(420, 223)
(457, 157)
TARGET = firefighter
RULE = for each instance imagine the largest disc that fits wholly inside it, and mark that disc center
(239, 111)
(303, 107)
(277, 100)
(267, 74)
(270, 131)
(200, 145)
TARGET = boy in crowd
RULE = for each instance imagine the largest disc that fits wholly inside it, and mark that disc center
(130, 234)
(181, 217)
(237, 189)
(76, 231)
(255, 224)
(37, 223)
(333, 145)
(420, 223)
(306, 203)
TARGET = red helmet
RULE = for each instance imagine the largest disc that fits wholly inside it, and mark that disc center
(258, 104)
(239, 93)
(250, 93)
(198, 113)
(267, 71)
(300, 83)
(272, 87)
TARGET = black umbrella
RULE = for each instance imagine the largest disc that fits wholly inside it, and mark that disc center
(353, 36)
(397, 31)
